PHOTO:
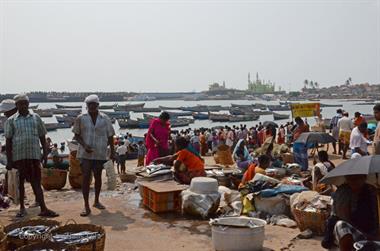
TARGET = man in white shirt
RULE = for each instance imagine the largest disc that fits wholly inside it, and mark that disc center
(376, 139)
(345, 126)
(122, 151)
(358, 143)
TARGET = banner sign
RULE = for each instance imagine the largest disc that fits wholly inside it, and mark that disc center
(306, 110)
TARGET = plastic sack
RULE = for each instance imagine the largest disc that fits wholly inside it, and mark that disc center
(287, 189)
(13, 185)
(201, 205)
(111, 175)
(277, 205)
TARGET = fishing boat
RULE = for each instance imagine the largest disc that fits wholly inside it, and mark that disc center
(117, 114)
(279, 107)
(128, 107)
(240, 118)
(51, 126)
(65, 119)
(128, 123)
(200, 116)
(165, 108)
(107, 107)
(44, 112)
(179, 114)
(68, 106)
(64, 125)
(216, 117)
(179, 122)
(242, 106)
(70, 112)
(277, 116)
(33, 107)
(145, 109)
(331, 105)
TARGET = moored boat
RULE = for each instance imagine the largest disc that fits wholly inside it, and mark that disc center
(200, 116)
(68, 106)
(44, 112)
(216, 117)
(128, 107)
(277, 116)
(240, 118)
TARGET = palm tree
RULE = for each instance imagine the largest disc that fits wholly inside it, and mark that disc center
(305, 83)
(316, 84)
(350, 79)
(311, 84)
(347, 82)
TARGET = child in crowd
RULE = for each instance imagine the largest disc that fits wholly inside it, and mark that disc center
(141, 152)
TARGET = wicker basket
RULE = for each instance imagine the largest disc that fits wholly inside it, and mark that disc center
(97, 245)
(14, 242)
(127, 177)
(48, 246)
(52, 178)
(223, 156)
(315, 221)
(3, 239)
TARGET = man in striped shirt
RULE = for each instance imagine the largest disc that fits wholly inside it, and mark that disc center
(24, 132)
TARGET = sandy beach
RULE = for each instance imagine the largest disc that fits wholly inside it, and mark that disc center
(130, 226)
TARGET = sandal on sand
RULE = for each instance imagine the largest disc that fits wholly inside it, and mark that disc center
(85, 213)
(99, 206)
(48, 214)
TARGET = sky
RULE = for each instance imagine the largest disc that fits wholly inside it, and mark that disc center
(185, 45)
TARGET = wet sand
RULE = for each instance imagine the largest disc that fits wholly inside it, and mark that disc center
(129, 226)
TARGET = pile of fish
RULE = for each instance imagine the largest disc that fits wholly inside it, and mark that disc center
(29, 231)
(155, 170)
(76, 238)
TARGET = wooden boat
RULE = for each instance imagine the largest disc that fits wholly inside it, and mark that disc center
(65, 119)
(128, 123)
(64, 125)
(165, 108)
(216, 117)
(33, 107)
(43, 112)
(51, 126)
(117, 114)
(179, 122)
(128, 107)
(331, 105)
(200, 116)
(145, 109)
(277, 116)
(242, 106)
(366, 103)
(240, 118)
(68, 106)
(69, 112)
(107, 107)
(279, 107)
(179, 114)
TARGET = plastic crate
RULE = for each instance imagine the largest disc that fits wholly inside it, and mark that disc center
(162, 207)
(161, 201)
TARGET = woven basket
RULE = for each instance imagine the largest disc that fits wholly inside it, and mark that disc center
(127, 177)
(3, 239)
(97, 245)
(53, 178)
(315, 221)
(223, 156)
(48, 246)
(14, 242)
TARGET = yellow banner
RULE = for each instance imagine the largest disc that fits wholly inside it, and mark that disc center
(306, 110)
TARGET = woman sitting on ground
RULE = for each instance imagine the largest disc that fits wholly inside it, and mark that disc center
(319, 170)
(187, 162)
(241, 156)
(264, 163)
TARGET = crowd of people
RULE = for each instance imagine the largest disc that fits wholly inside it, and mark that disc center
(354, 215)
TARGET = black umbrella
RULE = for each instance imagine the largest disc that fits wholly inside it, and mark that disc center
(315, 138)
(269, 123)
(367, 165)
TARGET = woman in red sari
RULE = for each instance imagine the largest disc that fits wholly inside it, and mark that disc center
(157, 138)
